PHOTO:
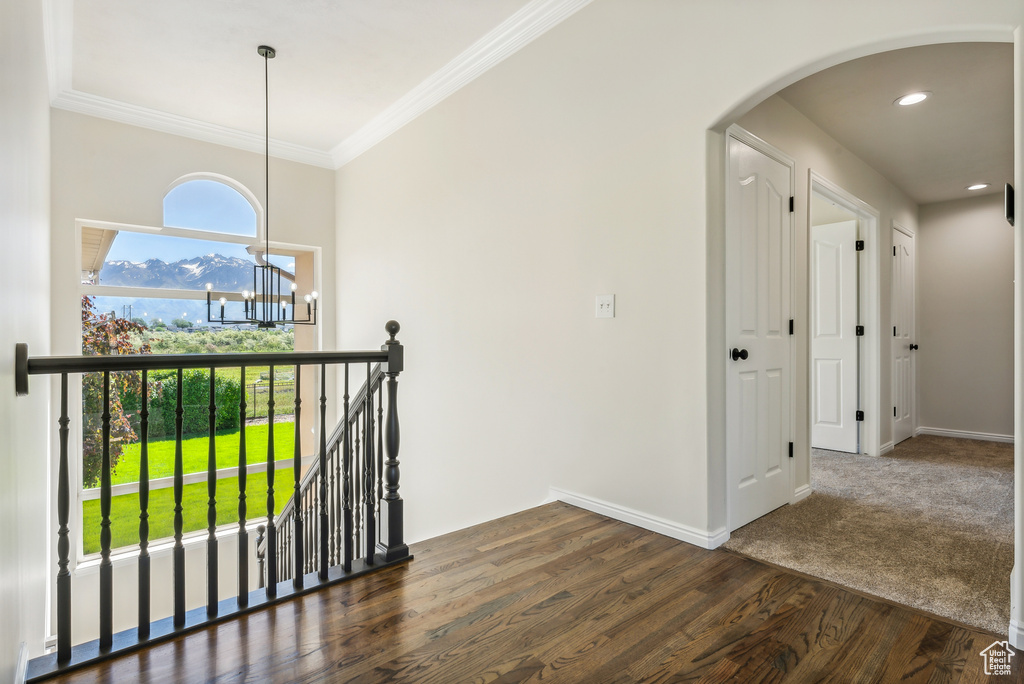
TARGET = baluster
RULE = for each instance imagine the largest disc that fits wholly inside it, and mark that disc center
(336, 525)
(297, 468)
(346, 465)
(212, 594)
(106, 568)
(380, 439)
(144, 566)
(332, 511)
(368, 484)
(285, 557)
(324, 560)
(311, 547)
(357, 493)
(179, 523)
(63, 543)
(380, 451)
(271, 530)
(302, 561)
(260, 554)
(243, 535)
(311, 517)
(391, 520)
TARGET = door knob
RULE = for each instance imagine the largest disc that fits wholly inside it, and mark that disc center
(913, 347)
(739, 354)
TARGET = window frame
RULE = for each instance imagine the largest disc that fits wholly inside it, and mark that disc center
(245, 192)
(82, 494)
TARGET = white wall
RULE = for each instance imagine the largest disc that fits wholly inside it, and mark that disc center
(779, 123)
(25, 277)
(108, 171)
(965, 317)
(582, 165)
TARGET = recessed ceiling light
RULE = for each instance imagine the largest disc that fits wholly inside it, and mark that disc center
(978, 186)
(912, 98)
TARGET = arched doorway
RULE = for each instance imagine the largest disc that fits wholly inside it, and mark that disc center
(719, 345)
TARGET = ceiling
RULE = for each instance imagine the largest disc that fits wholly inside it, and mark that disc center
(962, 134)
(347, 72)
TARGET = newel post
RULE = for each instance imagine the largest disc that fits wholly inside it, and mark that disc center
(392, 544)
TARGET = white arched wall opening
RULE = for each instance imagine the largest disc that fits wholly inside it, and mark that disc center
(716, 342)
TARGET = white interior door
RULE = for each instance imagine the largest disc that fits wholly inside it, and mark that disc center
(834, 374)
(903, 381)
(758, 301)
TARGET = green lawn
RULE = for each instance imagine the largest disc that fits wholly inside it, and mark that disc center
(196, 451)
(124, 509)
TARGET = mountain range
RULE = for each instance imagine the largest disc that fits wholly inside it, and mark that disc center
(226, 273)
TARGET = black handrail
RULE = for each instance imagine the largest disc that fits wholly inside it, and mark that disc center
(50, 365)
(383, 511)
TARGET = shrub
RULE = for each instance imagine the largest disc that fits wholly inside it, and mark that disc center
(195, 397)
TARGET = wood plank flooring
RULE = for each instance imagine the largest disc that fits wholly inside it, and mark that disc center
(564, 595)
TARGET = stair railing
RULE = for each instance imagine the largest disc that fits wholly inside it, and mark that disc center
(356, 540)
(349, 483)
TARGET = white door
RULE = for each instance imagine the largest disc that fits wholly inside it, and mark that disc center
(834, 377)
(758, 292)
(903, 382)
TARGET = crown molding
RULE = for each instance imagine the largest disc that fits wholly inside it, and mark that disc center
(530, 22)
(105, 108)
(533, 20)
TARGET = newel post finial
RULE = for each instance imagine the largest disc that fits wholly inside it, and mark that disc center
(392, 328)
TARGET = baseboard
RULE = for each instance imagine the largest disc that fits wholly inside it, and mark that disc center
(885, 448)
(963, 434)
(801, 493)
(1016, 636)
(690, 535)
(22, 668)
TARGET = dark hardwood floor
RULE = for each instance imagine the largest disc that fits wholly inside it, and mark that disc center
(561, 594)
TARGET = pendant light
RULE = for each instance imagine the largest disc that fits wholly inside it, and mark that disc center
(268, 304)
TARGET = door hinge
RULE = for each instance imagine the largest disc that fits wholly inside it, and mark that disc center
(894, 331)
(894, 251)
(791, 450)
(860, 415)
(790, 326)
(792, 203)
(859, 245)
(860, 331)
(893, 411)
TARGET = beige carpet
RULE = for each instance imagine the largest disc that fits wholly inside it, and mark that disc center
(928, 525)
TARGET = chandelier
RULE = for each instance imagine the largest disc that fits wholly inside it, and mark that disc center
(268, 304)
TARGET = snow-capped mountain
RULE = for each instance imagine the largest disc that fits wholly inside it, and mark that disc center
(226, 273)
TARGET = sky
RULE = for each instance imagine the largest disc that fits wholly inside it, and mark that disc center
(201, 205)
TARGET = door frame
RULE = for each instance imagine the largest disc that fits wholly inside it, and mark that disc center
(870, 311)
(897, 226)
(744, 136)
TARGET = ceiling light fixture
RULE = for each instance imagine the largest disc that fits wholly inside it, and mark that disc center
(978, 186)
(266, 306)
(912, 98)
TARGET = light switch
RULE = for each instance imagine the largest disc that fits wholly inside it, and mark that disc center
(604, 306)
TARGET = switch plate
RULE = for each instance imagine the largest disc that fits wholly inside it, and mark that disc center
(604, 306)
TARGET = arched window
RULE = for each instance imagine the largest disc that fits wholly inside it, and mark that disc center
(155, 277)
(218, 206)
